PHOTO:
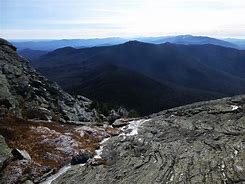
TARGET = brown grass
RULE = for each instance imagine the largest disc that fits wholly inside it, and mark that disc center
(23, 134)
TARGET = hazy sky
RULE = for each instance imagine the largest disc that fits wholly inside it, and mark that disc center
(126, 18)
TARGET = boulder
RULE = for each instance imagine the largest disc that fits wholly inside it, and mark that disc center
(5, 103)
(28, 182)
(5, 151)
(123, 112)
(38, 113)
(113, 116)
(3, 112)
(120, 122)
(81, 158)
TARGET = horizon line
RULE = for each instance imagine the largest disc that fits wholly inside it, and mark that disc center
(121, 37)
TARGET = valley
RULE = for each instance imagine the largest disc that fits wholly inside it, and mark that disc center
(49, 136)
(147, 77)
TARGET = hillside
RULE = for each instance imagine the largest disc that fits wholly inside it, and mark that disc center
(201, 71)
(32, 54)
(117, 85)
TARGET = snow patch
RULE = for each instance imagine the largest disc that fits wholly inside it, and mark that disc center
(234, 107)
(235, 152)
(172, 178)
(55, 176)
(132, 128)
(222, 169)
(98, 152)
(64, 169)
(129, 130)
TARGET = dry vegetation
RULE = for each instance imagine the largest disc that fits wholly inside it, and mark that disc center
(51, 145)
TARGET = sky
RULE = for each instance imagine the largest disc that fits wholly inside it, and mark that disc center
(59, 19)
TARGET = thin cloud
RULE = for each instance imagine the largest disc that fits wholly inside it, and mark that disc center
(93, 18)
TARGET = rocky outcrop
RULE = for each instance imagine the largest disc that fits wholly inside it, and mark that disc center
(121, 112)
(26, 94)
(5, 151)
(82, 157)
(198, 143)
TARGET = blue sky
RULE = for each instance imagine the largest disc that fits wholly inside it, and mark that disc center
(55, 19)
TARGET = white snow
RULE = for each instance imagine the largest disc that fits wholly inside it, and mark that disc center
(55, 176)
(223, 165)
(235, 152)
(129, 130)
(234, 107)
(132, 128)
(172, 178)
(64, 169)
(222, 168)
(98, 152)
(44, 109)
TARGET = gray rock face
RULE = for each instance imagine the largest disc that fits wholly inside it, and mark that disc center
(81, 158)
(199, 143)
(6, 43)
(120, 122)
(5, 151)
(26, 94)
(116, 114)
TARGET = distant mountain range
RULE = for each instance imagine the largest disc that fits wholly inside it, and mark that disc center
(49, 45)
(147, 77)
(188, 40)
(239, 42)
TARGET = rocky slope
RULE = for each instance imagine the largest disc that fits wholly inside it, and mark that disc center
(33, 142)
(26, 94)
(199, 143)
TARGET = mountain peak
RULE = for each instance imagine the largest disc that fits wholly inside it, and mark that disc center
(186, 36)
(133, 42)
